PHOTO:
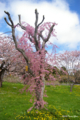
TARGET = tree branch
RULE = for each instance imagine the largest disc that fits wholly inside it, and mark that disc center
(16, 46)
(7, 21)
(35, 32)
(31, 39)
(24, 28)
(49, 34)
(9, 18)
(2, 64)
(36, 22)
(40, 34)
(50, 31)
(36, 28)
(41, 22)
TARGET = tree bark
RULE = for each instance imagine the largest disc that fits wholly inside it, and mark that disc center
(39, 95)
(0, 81)
(40, 92)
(2, 74)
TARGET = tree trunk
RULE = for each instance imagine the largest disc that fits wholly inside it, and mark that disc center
(1, 77)
(39, 91)
(0, 81)
(71, 87)
(39, 95)
(68, 79)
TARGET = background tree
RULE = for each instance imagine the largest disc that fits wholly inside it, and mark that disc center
(8, 53)
(77, 76)
(35, 62)
(5, 54)
(63, 68)
(55, 70)
(69, 59)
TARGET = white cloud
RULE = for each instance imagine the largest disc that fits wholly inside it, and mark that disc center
(2, 7)
(68, 28)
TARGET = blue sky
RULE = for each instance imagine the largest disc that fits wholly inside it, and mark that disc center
(64, 12)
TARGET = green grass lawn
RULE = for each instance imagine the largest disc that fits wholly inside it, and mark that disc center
(62, 104)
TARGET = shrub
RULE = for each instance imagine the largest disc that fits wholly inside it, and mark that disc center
(64, 79)
(77, 76)
(61, 71)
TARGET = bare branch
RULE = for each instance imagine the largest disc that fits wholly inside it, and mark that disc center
(50, 31)
(16, 46)
(36, 22)
(21, 51)
(45, 40)
(40, 34)
(43, 44)
(41, 22)
(9, 18)
(30, 39)
(6, 32)
(7, 21)
(36, 28)
(24, 28)
(35, 32)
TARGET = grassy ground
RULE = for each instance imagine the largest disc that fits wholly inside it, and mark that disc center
(62, 105)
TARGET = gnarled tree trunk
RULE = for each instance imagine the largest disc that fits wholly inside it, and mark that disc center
(40, 88)
(39, 94)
